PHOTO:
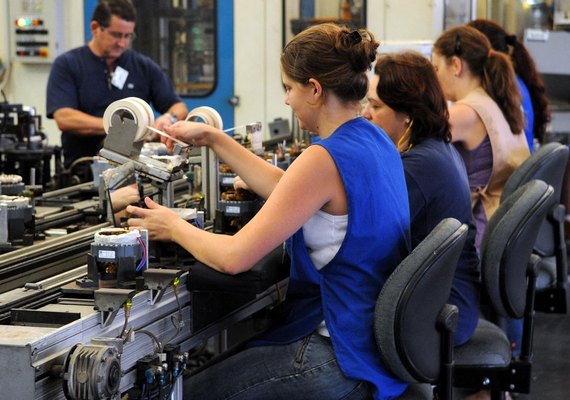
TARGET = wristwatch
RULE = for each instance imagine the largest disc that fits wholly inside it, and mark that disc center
(173, 118)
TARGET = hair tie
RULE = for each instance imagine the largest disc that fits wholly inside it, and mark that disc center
(511, 40)
(354, 37)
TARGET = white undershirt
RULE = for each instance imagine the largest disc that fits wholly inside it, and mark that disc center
(324, 234)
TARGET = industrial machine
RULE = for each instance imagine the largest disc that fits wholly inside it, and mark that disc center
(102, 313)
(23, 148)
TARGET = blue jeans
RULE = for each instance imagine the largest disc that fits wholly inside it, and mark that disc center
(306, 369)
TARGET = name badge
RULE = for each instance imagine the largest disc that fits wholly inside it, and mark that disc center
(119, 77)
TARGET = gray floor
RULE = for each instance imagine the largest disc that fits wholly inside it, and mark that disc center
(551, 369)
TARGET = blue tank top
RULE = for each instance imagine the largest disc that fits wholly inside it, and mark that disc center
(528, 113)
(343, 293)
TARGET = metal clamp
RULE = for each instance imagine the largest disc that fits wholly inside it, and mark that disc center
(109, 301)
(157, 281)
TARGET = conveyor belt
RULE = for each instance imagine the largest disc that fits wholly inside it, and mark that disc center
(43, 260)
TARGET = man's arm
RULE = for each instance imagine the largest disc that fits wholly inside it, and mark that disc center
(177, 112)
(69, 119)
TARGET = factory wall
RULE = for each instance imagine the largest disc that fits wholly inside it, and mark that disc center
(257, 46)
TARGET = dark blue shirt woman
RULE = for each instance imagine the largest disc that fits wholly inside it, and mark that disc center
(406, 100)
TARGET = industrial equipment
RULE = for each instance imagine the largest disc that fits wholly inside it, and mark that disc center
(94, 313)
(23, 147)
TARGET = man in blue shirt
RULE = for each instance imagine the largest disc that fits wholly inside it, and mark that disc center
(85, 80)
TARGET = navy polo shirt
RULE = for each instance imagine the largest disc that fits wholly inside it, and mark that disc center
(79, 79)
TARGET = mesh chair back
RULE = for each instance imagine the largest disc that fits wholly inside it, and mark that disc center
(411, 300)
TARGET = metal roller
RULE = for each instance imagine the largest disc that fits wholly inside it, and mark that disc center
(207, 115)
(132, 108)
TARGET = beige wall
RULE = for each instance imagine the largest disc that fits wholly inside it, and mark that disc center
(27, 81)
(257, 48)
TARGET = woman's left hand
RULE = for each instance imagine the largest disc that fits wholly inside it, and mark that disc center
(157, 219)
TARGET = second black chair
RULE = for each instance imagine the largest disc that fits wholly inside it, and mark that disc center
(508, 275)
(548, 164)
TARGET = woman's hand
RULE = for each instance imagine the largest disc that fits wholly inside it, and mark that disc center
(160, 221)
(194, 133)
(124, 196)
(240, 184)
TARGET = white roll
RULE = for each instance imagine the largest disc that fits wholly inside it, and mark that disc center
(207, 115)
(138, 108)
(147, 108)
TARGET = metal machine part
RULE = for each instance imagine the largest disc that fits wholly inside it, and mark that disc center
(92, 372)
(116, 258)
(11, 184)
(126, 123)
(34, 356)
(16, 222)
(23, 147)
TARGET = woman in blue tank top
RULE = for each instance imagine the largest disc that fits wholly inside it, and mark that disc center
(342, 207)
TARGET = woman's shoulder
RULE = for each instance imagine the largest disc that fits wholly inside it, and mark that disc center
(462, 114)
(431, 155)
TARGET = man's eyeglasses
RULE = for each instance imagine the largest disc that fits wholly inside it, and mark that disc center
(118, 35)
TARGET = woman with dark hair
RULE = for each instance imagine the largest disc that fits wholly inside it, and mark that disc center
(344, 242)
(486, 117)
(534, 101)
(406, 100)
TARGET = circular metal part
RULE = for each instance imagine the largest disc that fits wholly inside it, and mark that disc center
(132, 108)
(206, 114)
(92, 372)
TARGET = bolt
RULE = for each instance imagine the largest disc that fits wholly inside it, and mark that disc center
(486, 381)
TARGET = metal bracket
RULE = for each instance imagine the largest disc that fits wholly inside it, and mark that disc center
(157, 281)
(109, 301)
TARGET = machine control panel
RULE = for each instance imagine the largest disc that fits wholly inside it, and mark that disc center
(36, 30)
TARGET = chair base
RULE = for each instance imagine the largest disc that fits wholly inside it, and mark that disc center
(553, 300)
(516, 377)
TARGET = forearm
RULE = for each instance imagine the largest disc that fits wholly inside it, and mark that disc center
(69, 119)
(260, 176)
(175, 113)
(178, 110)
(206, 248)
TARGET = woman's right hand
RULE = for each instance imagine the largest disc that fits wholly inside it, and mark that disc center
(240, 184)
(193, 133)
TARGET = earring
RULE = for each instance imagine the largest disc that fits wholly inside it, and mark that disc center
(407, 120)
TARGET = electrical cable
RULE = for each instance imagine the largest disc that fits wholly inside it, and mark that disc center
(143, 260)
(158, 348)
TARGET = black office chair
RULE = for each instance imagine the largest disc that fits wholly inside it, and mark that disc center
(548, 164)
(413, 325)
(508, 271)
